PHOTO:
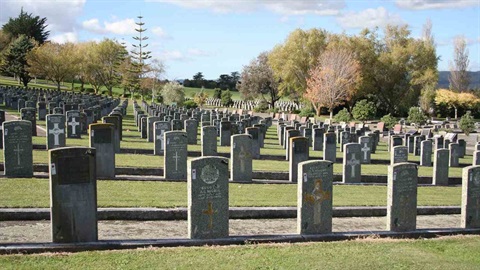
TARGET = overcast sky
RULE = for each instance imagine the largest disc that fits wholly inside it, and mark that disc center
(221, 36)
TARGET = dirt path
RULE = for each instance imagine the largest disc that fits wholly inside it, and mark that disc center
(39, 231)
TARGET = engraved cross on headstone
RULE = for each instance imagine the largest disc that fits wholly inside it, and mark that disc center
(242, 155)
(18, 150)
(365, 150)
(160, 137)
(210, 212)
(353, 162)
(316, 198)
(74, 125)
(176, 157)
(56, 131)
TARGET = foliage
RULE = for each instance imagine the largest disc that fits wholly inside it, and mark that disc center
(467, 124)
(227, 98)
(139, 56)
(292, 60)
(201, 97)
(389, 121)
(15, 58)
(226, 81)
(217, 93)
(262, 106)
(456, 100)
(173, 92)
(416, 116)
(154, 73)
(53, 61)
(333, 80)
(28, 25)
(459, 79)
(257, 80)
(364, 110)
(190, 104)
(343, 116)
(427, 99)
(307, 111)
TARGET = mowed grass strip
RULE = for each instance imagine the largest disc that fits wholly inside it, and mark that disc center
(35, 193)
(458, 252)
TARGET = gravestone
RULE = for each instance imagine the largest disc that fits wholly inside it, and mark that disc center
(307, 133)
(225, 133)
(42, 110)
(290, 134)
(208, 198)
(416, 144)
(73, 193)
(440, 167)
(314, 193)
(175, 158)
(344, 139)
(298, 153)
(191, 127)
(462, 147)
(402, 197)
(438, 142)
(159, 135)
(2, 117)
(426, 153)
(143, 127)
(317, 138)
(73, 125)
(150, 128)
(209, 141)
(411, 144)
(352, 169)
(254, 133)
(366, 148)
(17, 148)
(330, 147)
(102, 139)
(395, 141)
(177, 124)
(241, 158)
(454, 155)
(470, 209)
(399, 154)
(476, 157)
(29, 114)
(115, 121)
(55, 131)
(284, 139)
(280, 133)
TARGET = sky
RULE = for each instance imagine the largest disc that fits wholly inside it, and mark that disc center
(221, 36)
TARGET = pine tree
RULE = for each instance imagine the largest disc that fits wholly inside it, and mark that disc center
(139, 57)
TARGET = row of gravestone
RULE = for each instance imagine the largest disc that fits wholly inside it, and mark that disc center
(74, 200)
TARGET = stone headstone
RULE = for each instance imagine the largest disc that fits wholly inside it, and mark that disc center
(254, 133)
(175, 158)
(29, 114)
(330, 147)
(150, 128)
(177, 124)
(115, 121)
(298, 147)
(462, 147)
(289, 134)
(307, 133)
(42, 110)
(55, 131)
(352, 169)
(402, 197)
(73, 192)
(225, 133)
(470, 209)
(241, 158)
(317, 139)
(143, 127)
(454, 155)
(399, 154)
(191, 127)
(366, 148)
(314, 203)
(2, 117)
(344, 139)
(160, 127)
(426, 153)
(73, 125)
(17, 148)
(395, 141)
(438, 142)
(476, 157)
(209, 141)
(440, 167)
(102, 139)
(208, 198)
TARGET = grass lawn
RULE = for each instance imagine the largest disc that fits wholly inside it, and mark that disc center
(35, 193)
(459, 252)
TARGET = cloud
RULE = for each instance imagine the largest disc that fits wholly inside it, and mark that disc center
(61, 15)
(435, 4)
(93, 25)
(121, 27)
(198, 52)
(174, 55)
(159, 32)
(284, 7)
(369, 18)
(65, 37)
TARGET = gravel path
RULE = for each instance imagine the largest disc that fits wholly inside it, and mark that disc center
(39, 231)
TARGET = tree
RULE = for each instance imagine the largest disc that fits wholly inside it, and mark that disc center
(139, 56)
(199, 79)
(343, 116)
(201, 97)
(456, 100)
(389, 121)
(429, 78)
(53, 61)
(258, 80)
(224, 81)
(235, 77)
(83, 53)
(292, 61)
(467, 124)
(227, 98)
(459, 80)
(364, 110)
(173, 92)
(28, 25)
(416, 116)
(155, 71)
(333, 80)
(15, 59)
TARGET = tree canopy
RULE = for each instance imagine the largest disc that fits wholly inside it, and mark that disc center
(28, 25)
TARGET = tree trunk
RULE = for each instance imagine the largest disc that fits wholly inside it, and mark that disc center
(58, 85)
(331, 115)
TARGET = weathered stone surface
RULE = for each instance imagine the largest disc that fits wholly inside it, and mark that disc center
(366, 148)
(175, 158)
(208, 198)
(254, 133)
(150, 128)
(30, 114)
(102, 139)
(115, 121)
(241, 158)
(299, 152)
(476, 157)
(160, 127)
(440, 167)
(454, 155)
(289, 134)
(191, 127)
(402, 197)
(399, 154)
(395, 141)
(317, 138)
(352, 168)
(471, 197)
(426, 153)
(73, 193)
(209, 141)
(329, 147)
(225, 133)
(314, 212)
(73, 125)
(17, 148)
(55, 131)
(344, 139)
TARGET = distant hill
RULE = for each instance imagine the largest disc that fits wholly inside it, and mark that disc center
(444, 83)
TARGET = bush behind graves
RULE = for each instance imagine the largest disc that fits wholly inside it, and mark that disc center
(217, 93)
(307, 111)
(227, 98)
(261, 107)
(389, 121)
(190, 104)
(364, 110)
(416, 116)
(173, 92)
(467, 124)
(343, 116)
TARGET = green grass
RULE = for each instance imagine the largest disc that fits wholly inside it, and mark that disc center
(35, 193)
(460, 252)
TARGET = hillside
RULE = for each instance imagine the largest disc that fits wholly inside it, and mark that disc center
(443, 79)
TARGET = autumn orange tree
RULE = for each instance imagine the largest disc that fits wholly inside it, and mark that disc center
(333, 81)
(455, 100)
